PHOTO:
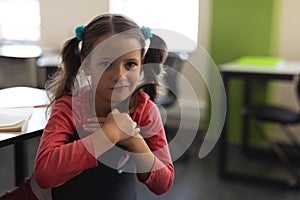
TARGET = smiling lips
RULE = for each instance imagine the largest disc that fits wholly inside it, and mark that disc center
(119, 87)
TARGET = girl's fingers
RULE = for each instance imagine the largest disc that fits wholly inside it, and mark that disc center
(115, 111)
(89, 129)
(93, 124)
(136, 131)
(96, 120)
(101, 119)
(134, 124)
(90, 125)
(92, 119)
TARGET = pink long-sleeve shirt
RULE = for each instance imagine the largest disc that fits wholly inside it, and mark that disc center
(62, 155)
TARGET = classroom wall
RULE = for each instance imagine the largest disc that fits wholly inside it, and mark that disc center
(257, 27)
(289, 48)
(289, 30)
(60, 18)
(241, 28)
(189, 72)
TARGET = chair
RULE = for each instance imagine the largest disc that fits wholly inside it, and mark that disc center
(282, 116)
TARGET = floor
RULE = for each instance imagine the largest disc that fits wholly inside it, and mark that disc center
(195, 179)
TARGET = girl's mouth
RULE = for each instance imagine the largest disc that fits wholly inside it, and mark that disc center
(119, 87)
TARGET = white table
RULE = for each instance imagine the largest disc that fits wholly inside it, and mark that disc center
(21, 97)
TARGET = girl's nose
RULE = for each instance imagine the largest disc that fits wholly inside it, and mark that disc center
(118, 72)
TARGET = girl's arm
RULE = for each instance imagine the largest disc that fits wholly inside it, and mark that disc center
(161, 176)
(62, 155)
(152, 156)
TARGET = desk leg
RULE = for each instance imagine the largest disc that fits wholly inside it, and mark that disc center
(245, 125)
(20, 162)
(223, 139)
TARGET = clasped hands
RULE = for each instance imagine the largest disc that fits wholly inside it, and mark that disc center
(118, 127)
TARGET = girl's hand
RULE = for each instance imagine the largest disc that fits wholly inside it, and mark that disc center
(131, 142)
(119, 126)
(93, 124)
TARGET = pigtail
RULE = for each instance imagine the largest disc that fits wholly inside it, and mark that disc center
(153, 65)
(154, 59)
(63, 80)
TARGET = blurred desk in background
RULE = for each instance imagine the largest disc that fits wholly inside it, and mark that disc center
(284, 71)
(16, 97)
(18, 63)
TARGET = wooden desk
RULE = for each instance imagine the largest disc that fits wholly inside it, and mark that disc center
(22, 97)
(283, 72)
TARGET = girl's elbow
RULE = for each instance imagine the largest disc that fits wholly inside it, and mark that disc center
(161, 190)
(164, 188)
(42, 180)
(43, 177)
(168, 186)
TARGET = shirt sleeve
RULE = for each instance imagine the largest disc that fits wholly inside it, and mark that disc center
(162, 174)
(61, 157)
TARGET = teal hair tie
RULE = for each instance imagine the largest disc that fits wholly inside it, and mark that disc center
(78, 32)
(147, 32)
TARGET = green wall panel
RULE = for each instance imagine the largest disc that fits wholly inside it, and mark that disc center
(240, 28)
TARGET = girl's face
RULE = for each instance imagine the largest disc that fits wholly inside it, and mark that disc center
(115, 69)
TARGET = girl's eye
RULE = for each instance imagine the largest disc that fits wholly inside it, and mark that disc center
(131, 65)
(104, 64)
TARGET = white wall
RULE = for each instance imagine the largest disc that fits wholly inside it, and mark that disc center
(60, 18)
(288, 48)
(289, 30)
(189, 72)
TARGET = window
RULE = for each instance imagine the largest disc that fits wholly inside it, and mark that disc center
(20, 20)
(178, 16)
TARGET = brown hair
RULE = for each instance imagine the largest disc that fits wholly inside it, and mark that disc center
(153, 65)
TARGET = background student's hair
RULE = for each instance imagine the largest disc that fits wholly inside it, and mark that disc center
(72, 54)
